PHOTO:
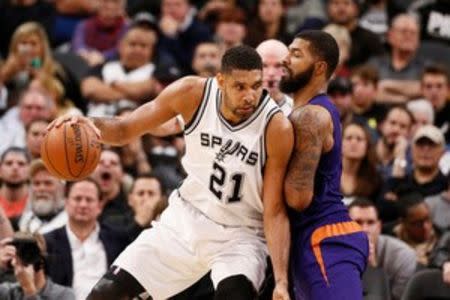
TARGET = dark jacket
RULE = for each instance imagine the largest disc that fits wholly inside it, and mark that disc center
(60, 264)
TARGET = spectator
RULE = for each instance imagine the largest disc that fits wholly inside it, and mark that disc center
(27, 255)
(230, 29)
(305, 14)
(269, 23)
(359, 173)
(6, 229)
(435, 87)
(15, 13)
(46, 211)
(35, 133)
(210, 11)
(415, 227)
(109, 176)
(393, 143)
(440, 258)
(14, 173)
(96, 38)
(81, 251)
(32, 105)
(68, 14)
(128, 79)
(206, 61)
(400, 70)
(439, 206)
(425, 177)
(147, 199)
(53, 88)
(395, 257)
(422, 112)
(365, 108)
(340, 92)
(344, 41)
(180, 34)
(365, 44)
(272, 53)
(29, 57)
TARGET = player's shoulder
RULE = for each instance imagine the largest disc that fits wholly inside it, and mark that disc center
(189, 85)
(311, 115)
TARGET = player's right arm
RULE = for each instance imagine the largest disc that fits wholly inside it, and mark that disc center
(179, 98)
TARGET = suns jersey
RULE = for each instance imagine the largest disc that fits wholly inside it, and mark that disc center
(225, 162)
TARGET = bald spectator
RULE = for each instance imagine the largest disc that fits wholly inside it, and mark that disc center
(365, 44)
(32, 105)
(400, 70)
(46, 199)
(206, 61)
(272, 53)
(14, 174)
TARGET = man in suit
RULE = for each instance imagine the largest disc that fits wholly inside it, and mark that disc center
(81, 251)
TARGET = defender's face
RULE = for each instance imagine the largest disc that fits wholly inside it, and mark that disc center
(299, 66)
(241, 93)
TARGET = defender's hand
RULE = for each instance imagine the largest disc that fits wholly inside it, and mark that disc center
(281, 292)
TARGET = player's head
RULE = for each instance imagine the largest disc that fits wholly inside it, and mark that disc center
(272, 53)
(240, 81)
(313, 55)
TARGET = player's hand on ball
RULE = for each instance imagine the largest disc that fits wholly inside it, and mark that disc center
(281, 292)
(74, 120)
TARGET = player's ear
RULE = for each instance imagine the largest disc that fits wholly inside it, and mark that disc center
(320, 68)
(220, 80)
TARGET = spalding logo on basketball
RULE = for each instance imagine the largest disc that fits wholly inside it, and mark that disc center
(71, 152)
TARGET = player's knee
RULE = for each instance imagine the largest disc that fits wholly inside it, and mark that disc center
(106, 289)
(236, 287)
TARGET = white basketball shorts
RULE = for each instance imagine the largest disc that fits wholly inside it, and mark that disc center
(184, 245)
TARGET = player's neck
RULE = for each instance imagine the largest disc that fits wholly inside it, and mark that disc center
(305, 94)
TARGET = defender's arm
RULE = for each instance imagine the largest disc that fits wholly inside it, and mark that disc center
(313, 130)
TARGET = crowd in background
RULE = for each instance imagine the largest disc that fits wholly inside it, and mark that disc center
(106, 57)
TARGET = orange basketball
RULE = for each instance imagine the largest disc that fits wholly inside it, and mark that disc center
(71, 152)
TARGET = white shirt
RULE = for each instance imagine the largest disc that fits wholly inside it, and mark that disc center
(89, 262)
(12, 131)
(29, 222)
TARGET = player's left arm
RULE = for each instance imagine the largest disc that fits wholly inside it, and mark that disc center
(279, 141)
(313, 129)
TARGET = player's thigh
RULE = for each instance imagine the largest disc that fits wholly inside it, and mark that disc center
(161, 260)
(245, 254)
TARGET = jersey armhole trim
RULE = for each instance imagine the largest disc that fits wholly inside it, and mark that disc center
(193, 123)
(270, 115)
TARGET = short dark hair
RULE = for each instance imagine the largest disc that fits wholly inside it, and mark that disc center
(362, 202)
(70, 185)
(435, 69)
(241, 57)
(408, 200)
(15, 149)
(403, 108)
(324, 46)
(149, 176)
(367, 73)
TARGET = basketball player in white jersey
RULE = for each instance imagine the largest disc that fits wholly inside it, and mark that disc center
(238, 145)
(272, 53)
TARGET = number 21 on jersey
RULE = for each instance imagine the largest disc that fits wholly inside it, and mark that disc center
(218, 179)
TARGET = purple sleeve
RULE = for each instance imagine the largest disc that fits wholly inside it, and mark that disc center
(78, 38)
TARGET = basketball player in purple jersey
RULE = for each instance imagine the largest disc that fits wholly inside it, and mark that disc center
(329, 251)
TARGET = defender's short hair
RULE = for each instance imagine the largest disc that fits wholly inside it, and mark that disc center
(241, 58)
(324, 46)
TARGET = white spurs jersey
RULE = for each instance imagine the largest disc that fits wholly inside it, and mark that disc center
(225, 162)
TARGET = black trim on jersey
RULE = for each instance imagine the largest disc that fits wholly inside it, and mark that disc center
(193, 123)
(270, 115)
(265, 99)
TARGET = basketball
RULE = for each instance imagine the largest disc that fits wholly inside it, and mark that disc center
(71, 152)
